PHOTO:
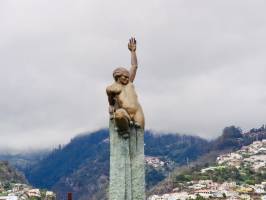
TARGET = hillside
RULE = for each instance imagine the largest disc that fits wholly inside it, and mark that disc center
(232, 139)
(236, 175)
(82, 166)
(8, 174)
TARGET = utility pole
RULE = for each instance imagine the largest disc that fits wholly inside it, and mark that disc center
(69, 196)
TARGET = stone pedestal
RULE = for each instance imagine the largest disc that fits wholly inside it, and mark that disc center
(127, 170)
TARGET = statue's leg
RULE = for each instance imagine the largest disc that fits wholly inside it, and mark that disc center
(122, 120)
(139, 118)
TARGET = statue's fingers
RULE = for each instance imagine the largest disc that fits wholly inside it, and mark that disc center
(133, 40)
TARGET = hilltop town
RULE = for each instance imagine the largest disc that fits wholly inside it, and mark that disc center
(236, 175)
(14, 186)
(19, 191)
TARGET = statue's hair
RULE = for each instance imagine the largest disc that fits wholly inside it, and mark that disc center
(119, 72)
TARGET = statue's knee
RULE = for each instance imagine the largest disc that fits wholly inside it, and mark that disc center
(121, 113)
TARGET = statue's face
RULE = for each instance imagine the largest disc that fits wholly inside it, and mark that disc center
(123, 80)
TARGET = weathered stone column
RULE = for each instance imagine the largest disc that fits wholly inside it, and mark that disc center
(127, 172)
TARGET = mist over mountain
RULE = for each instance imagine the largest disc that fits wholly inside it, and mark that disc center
(23, 160)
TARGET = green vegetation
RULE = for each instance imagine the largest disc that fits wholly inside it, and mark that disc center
(222, 174)
(43, 193)
(34, 198)
(153, 176)
(7, 186)
(3, 194)
(200, 197)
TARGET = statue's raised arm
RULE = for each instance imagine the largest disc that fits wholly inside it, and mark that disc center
(132, 46)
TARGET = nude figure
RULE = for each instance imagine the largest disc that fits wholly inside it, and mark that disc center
(124, 106)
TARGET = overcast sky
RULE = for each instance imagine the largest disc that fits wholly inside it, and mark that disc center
(202, 65)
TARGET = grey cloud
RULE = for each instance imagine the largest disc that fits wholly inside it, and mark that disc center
(202, 66)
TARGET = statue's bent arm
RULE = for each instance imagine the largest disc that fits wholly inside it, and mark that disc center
(111, 100)
(112, 91)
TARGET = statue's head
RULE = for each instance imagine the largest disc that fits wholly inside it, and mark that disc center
(121, 75)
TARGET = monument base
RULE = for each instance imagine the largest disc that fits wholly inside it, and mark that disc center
(127, 169)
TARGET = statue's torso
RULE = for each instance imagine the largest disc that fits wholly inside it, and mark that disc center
(128, 98)
(125, 97)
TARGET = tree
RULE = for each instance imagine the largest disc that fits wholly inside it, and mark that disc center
(200, 197)
(224, 195)
(232, 132)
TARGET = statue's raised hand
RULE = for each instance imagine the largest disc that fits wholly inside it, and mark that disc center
(132, 44)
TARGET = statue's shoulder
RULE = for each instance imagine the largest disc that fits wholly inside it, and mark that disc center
(115, 88)
(130, 84)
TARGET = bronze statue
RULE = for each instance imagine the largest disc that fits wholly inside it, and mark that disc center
(124, 107)
(126, 127)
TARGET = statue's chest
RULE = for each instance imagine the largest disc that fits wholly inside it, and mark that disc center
(127, 93)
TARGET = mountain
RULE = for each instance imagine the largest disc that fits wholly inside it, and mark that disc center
(10, 175)
(231, 140)
(82, 166)
(240, 174)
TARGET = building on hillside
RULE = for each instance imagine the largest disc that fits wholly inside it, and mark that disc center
(174, 196)
(197, 186)
(8, 198)
(154, 197)
(227, 186)
(209, 169)
(259, 189)
(18, 187)
(208, 183)
(204, 193)
(49, 195)
(245, 196)
(34, 193)
(154, 161)
(231, 159)
(263, 197)
(245, 190)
